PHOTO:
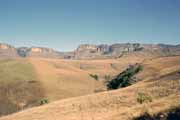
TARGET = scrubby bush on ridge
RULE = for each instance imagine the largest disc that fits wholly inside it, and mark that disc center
(94, 76)
(142, 97)
(44, 101)
(125, 78)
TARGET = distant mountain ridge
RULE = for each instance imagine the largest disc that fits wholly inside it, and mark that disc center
(90, 51)
(117, 50)
(7, 50)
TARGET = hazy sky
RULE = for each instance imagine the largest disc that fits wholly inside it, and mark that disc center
(63, 24)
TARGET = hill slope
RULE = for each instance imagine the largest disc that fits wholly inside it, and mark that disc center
(19, 87)
(70, 78)
(160, 79)
(27, 81)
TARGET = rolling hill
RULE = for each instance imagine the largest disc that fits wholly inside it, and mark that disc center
(64, 80)
(68, 78)
(27, 81)
(19, 87)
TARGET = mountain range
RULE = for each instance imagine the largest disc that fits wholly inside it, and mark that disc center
(90, 51)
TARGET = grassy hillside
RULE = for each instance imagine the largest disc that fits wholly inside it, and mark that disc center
(159, 79)
(69, 78)
(19, 87)
(25, 82)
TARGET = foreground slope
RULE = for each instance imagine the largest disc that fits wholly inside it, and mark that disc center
(160, 79)
(19, 87)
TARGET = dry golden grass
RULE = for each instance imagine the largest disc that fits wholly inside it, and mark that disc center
(160, 79)
(19, 87)
(70, 78)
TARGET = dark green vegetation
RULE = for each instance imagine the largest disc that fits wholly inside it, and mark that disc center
(19, 88)
(125, 78)
(94, 76)
(142, 97)
(44, 101)
(172, 114)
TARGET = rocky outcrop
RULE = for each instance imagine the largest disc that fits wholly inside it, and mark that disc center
(41, 50)
(7, 51)
(105, 51)
(119, 49)
(87, 51)
(170, 49)
(44, 52)
(4, 46)
(38, 52)
(87, 47)
(90, 51)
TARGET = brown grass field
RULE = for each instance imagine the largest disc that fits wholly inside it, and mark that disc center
(69, 78)
(70, 89)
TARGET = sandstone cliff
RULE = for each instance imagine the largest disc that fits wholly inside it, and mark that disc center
(90, 51)
(7, 51)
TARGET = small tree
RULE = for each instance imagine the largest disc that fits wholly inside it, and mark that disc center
(44, 101)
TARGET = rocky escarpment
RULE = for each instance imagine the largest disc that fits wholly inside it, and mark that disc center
(38, 52)
(7, 51)
(89, 51)
(98, 51)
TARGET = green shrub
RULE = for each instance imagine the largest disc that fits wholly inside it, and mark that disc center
(125, 78)
(94, 76)
(44, 101)
(142, 97)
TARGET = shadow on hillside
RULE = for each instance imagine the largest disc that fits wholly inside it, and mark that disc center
(173, 114)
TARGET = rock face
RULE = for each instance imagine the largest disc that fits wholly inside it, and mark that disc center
(38, 52)
(104, 51)
(89, 51)
(170, 49)
(117, 49)
(7, 51)
(5, 46)
(44, 52)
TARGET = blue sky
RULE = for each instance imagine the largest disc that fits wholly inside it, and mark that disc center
(64, 24)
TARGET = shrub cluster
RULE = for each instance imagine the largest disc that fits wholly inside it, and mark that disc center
(124, 79)
(94, 76)
(142, 97)
(44, 101)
